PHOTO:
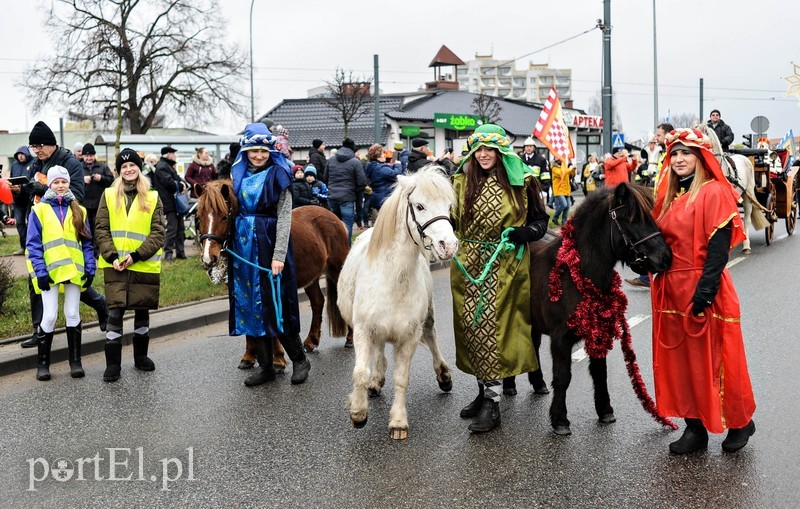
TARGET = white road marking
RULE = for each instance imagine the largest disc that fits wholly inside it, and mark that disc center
(580, 354)
(734, 262)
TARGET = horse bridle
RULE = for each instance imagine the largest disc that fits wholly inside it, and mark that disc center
(421, 227)
(640, 255)
(223, 242)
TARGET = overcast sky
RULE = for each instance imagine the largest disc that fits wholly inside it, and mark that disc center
(742, 49)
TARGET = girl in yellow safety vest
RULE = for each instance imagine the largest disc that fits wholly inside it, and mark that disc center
(130, 236)
(59, 252)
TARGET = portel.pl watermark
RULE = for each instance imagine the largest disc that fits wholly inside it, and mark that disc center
(113, 464)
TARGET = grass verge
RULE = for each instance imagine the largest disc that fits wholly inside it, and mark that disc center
(181, 281)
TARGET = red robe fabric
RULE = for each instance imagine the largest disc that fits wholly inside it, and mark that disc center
(699, 363)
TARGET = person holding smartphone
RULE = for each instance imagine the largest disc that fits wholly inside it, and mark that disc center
(618, 167)
(20, 173)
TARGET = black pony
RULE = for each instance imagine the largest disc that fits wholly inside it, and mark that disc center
(610, 226)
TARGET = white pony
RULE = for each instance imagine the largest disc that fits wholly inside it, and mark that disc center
(386, 288)
(743, 179)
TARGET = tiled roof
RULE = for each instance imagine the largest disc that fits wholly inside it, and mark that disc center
(308, 119)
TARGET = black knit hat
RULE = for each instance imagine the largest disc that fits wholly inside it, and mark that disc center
(126, 155)
(41, 134)
(348, 143)
(418, 142)
(167, 150)
(317, 143)
(88, 149)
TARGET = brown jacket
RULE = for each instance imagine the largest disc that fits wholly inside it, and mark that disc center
(130, 289)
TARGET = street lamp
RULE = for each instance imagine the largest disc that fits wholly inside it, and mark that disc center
(252, 103)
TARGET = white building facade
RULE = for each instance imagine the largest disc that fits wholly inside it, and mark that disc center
(499, 78)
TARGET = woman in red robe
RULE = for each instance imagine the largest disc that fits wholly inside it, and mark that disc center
(699, 361)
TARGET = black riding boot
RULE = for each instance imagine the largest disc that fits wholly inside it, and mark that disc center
(264, 372)
(113, 360)
(44, 343)
(140, 358)
(695, 438)
(488, 418)
(737, 438)
(74, 348)
(474, 408)
(301, 365)
(510, 386)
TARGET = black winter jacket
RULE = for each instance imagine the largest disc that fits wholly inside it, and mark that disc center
(416, 160)
(167, 182)
(345, 176)
(724, 133)
(319, 161)
(95, 188)
(61, 157)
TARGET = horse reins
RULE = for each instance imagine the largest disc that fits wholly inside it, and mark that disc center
(641, 256)
(421, 227)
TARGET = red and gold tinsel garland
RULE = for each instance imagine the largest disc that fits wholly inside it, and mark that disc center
(599, 317)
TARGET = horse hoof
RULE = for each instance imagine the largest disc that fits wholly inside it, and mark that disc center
(608, 418)
(747, 251)
(510, 391)
(348, 343)
(373, 393)
(399, 433)
(359, 424)
(246, 365)
(562, 430)
(446, 386)
(541, 390)
(279, 369)
(307, 348)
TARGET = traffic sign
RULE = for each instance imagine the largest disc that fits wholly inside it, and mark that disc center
(618, 140)
(759, 125)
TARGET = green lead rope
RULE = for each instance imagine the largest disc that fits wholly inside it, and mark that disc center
(497, 248)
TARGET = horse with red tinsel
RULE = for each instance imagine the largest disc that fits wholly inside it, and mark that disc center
(576, 294)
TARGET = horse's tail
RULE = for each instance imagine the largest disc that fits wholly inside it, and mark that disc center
(638, 383)
(336, 324)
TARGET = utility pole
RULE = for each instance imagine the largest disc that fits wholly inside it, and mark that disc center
(701, 100)
(252, 99)
(655, 70)
(377, 108)
(607, 93)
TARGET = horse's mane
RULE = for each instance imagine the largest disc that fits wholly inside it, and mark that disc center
(712, 135)
(214, 200)
(430, 182)
(592, 216)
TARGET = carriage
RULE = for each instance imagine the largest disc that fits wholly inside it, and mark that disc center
(776, 188)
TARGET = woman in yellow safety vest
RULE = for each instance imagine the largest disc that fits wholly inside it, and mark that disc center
(59, 252)
(130, 235)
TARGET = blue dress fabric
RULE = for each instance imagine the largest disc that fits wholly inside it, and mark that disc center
(252, 310)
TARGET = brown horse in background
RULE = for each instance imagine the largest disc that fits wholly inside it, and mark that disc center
(320, 245)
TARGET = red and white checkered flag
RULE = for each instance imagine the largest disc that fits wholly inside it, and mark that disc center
(552, 131)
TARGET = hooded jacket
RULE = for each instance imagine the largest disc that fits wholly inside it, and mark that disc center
(345, 176)
(167, 182)
(95, 188)
(317, 158)
(416, 160)
(18, 169)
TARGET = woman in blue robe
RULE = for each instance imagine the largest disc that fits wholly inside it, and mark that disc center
(262, 286)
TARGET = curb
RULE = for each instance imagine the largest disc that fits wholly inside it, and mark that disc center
(163, 322)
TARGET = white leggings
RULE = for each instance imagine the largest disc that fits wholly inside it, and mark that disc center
(72, 302)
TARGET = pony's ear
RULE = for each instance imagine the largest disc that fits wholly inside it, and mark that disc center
(225, 191)
(198, 190)
(622, 194)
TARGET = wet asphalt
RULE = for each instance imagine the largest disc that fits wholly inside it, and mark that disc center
(280, 445)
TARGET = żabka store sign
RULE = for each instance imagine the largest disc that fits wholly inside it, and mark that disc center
(456, 122)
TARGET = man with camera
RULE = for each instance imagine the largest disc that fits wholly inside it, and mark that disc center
(618, 167)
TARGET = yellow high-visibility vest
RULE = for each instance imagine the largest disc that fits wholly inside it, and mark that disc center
(61, 247)
(130, 229)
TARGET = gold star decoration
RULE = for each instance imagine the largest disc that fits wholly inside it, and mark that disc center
(794, 82)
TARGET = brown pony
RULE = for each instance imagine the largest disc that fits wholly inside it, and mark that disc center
(320, 245)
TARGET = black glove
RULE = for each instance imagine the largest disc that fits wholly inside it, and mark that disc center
(88, 278)
(699, 305)
(522, 235)
(44, 282)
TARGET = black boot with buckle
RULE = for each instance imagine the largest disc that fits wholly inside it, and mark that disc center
(74, 351)
(44, 343)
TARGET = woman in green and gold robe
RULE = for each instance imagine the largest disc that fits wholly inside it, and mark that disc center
(495, 190)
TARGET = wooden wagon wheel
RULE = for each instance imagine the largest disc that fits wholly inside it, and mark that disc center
(770, 230)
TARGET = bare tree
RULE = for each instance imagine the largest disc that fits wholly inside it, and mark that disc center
(596, 108)
(487, 107)
(349, 94)
(682, 120)
(148, 58)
